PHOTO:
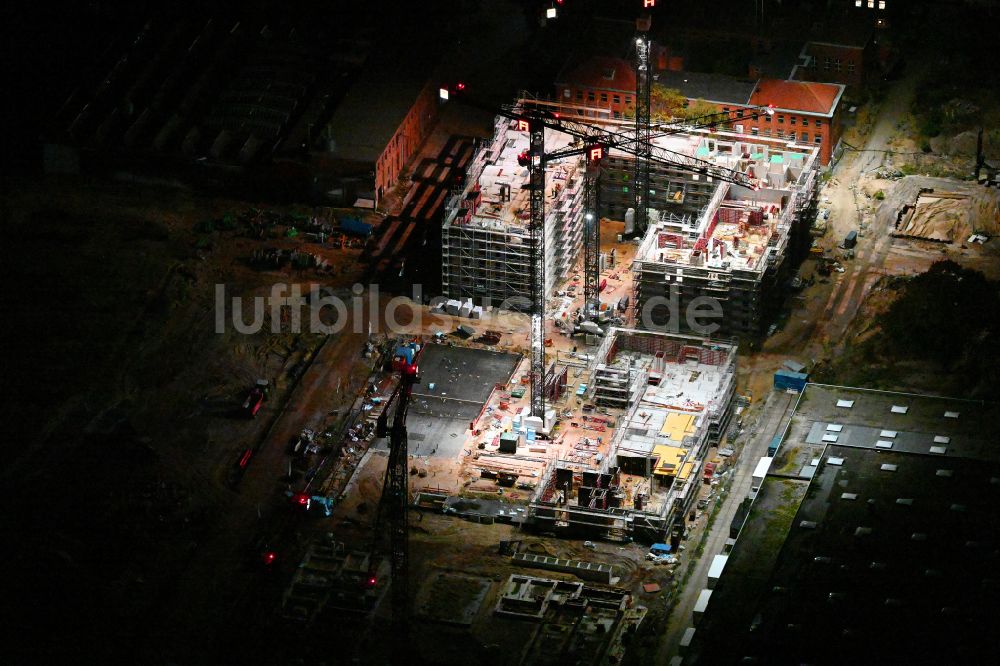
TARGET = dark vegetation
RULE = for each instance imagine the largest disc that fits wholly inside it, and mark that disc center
(939, 334)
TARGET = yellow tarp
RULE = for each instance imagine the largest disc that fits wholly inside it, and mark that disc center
(668, 459)
(678, 425)
(686, 470)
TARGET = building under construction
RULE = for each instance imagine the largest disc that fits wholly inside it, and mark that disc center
(715, 239)
(672, 395)
(486, 241)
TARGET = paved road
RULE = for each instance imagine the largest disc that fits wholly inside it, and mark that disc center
(763, 429)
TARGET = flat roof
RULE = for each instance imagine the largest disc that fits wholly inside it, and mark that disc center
(455, 384)
(885, 543)
(709, 87)
(373, 108)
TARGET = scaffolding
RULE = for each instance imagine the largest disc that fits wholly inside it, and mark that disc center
(487, 238)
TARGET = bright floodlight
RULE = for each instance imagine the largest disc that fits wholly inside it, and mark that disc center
(881, 4)
(857, 3)
(443, 94)
(550, 12)
(770, 109)
(588, 216)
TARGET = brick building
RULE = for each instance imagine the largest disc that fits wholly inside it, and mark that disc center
(806, 112)
(608, 83)
(599, 82)
(845, 52)
(378, 127)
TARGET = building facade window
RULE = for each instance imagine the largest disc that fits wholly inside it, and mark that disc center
(604, 98)
(836, 64)
(579, 95)
(805, 122)
(617, 99)
(767, 132)
(818, 138)
(767, 117)
(566, 93)
(781, 120)
(590, 96)
(805, 137)
(754, 131)
(850, 67)
(792, 119)
(826, 64)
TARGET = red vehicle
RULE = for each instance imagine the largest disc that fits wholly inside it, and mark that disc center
(254, 401)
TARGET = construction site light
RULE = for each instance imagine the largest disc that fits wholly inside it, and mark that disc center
(550, 13)
(443, 94)
(588, 216)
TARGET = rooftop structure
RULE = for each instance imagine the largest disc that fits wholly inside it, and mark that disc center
(485, 235)
(895, 536)
(735, 247)
(675, 395)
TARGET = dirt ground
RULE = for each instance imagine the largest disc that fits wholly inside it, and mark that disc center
(141, 415)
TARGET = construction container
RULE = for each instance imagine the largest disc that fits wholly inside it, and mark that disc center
(850, 240)
(772, 449)
(786, 379)
(686, 639)
(715, 571)
(355, 227)
(702, 604)
(760, 472)
(509, 442)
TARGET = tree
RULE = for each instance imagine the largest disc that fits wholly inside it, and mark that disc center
(665, 103)
(699, 108)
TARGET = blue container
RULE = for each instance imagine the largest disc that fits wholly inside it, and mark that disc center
(354, 226)
(786, 379)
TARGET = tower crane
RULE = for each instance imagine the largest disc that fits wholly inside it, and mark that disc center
(593, 141)
(395, 495)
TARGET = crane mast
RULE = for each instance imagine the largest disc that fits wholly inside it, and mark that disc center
(643, 85)
(394, 502)
(536, 231)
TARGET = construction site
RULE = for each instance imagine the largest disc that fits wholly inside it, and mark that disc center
(536, 461)
(737, 248)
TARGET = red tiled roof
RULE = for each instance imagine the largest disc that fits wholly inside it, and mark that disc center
(804, 96)
(603, 73)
